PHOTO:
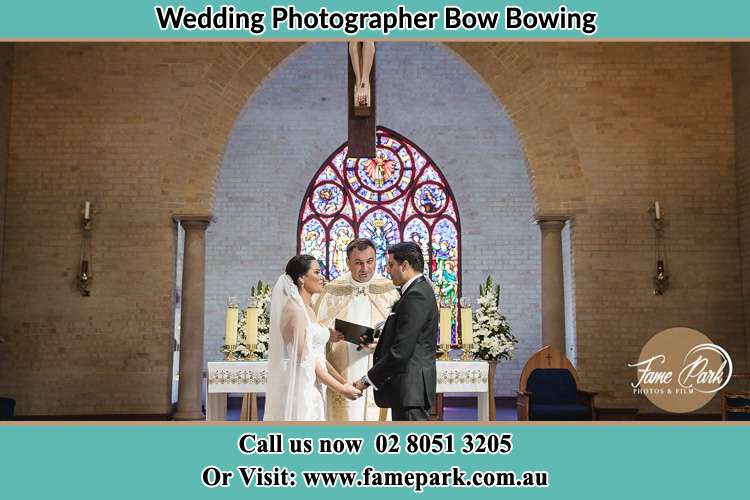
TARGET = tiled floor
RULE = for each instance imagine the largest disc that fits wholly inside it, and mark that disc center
(455, 409)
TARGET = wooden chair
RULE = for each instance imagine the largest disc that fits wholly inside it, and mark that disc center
(735, 404)
(249, 410)
(549, 389)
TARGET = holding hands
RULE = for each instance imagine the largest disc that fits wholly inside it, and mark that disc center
(359, 385)
(351, 392)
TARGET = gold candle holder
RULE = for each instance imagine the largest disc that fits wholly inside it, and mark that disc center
(444, 349)
(466, 352)
(253, 356)
(229, 352)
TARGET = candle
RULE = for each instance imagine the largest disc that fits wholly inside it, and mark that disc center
(657, 210)
(445, 326)
(87, 211)
(467, 334)
(251, 326)
(232, 321)
(84, 266)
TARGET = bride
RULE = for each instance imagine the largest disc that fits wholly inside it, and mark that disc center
(296, 352)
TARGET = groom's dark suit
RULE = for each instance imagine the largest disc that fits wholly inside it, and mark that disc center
(404, 362)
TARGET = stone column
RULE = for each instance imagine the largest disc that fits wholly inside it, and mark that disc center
(553, 289)
(191, 319)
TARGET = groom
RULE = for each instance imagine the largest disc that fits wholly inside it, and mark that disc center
(403, 372)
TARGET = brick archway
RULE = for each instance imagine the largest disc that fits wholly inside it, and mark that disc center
(518, 77)
(521, 76)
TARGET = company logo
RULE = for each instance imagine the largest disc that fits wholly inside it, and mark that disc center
(680, 370)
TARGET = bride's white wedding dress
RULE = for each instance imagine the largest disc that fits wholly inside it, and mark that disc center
(314, 393)
(293, 391)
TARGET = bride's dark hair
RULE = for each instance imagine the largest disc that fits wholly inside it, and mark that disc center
(298, 266)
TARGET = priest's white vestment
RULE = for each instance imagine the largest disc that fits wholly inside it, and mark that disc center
(363, 303)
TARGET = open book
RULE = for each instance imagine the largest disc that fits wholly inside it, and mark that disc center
(353, 332)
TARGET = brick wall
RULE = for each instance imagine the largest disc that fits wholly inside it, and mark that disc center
(130, 127)
(6, 72)
(651, 122)
(741, 80)
(140, 129)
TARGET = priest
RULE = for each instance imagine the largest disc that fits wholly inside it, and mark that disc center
(357, 296)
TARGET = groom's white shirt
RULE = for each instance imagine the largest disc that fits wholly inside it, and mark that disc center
(406, 285)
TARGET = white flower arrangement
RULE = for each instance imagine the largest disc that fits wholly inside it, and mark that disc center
(264, 321)
(493, 339)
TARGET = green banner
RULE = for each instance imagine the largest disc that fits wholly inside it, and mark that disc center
(341, 20)
(188, 461)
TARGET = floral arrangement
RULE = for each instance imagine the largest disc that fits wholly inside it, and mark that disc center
(493, 339)
(263, 296)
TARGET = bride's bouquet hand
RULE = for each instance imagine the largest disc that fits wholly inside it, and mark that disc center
(350, 392)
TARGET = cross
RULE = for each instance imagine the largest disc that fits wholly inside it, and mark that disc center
(549, 358)
(361, 61)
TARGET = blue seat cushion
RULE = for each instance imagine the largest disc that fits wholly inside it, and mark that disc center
(549, 386)
(738, 402)
(738, 416)
(7, 406)
(560, 412)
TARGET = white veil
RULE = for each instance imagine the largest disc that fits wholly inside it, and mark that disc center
(288, 374)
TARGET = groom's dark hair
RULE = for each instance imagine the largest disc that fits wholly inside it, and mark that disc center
(360, 244)
(298, 266)
(410, 252)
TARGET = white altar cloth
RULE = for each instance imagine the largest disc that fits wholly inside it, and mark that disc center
(252, 376)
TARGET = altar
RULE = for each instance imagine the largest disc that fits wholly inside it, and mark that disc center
(251, 377)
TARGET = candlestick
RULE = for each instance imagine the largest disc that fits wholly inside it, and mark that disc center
(445, 326)
(251, 326)
(85, 266)
(232, 321)
(467, 332)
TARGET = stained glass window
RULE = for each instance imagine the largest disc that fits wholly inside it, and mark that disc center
(401, 195)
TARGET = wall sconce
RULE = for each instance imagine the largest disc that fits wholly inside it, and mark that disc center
(85, 266)
(661, 279)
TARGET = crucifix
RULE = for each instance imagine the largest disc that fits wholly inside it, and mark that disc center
(361, 90)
